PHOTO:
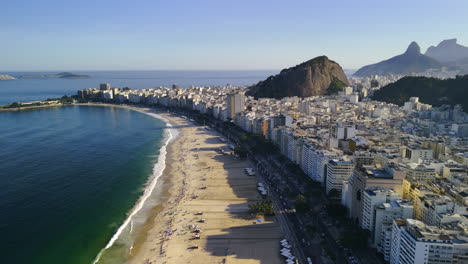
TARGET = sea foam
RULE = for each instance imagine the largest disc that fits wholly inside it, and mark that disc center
(158, 169)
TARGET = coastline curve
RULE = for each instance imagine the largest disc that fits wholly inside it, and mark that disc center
(158, 169)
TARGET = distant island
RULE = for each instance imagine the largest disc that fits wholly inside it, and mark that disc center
(431, 91)
(66, 75)
(4, 77)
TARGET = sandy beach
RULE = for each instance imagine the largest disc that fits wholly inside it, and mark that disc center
(202, 180)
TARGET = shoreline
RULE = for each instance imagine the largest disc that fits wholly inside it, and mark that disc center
(170, 136)
(157, 228)
(232, 234)
(16, 109)
(198, 178)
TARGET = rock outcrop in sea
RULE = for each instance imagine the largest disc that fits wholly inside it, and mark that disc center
(6, 77)
(310, 78)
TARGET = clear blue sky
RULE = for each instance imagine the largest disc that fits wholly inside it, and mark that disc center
(217, 34)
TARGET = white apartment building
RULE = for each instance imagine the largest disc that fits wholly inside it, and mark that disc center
(420, 172)
(306, 164)
(414, 242)
(108, 95)
(416, 153)
(384, 215)
(338, 171)
(319, 164)
(235, 104)
(339, 132)
(372, 197)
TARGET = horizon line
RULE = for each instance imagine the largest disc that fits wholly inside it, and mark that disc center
(108, 70)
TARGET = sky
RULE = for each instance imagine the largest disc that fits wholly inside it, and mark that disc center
(88, 35)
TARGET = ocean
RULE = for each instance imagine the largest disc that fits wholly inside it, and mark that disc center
(31, 89)
(70, 176)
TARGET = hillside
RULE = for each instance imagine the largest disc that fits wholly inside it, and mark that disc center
(429, 90)
(412, 61)
(313, 77)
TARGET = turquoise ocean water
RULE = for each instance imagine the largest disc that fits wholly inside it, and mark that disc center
(68, 178)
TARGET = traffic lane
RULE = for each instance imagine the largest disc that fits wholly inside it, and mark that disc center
(292, 218)
(290, 231)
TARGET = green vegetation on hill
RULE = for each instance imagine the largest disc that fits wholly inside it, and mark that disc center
(431, 91)
(336, 86)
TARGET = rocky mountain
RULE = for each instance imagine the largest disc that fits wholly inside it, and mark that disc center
(313, 77)
(409, 62)
(6, 77)
(448, 51)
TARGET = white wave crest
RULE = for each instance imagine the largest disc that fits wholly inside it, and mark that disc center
(158, 169)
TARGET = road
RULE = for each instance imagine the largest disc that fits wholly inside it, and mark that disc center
(281, 214)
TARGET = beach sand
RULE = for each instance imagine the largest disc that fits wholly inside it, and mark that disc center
(203, 180)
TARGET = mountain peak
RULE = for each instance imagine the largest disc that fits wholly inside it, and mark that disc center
(413, 48)
(412, 61)
(448, 51)
(448, 42)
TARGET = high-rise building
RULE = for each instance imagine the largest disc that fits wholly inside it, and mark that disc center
(104, 86)
(371, 198)
(320, 160)
(420, 172)
(414, 242)
(338, 171)
(415, 153)
(235, 104)
(339, 132)
(456, 113)
(384, 215)
(390, 177)
(361, 158)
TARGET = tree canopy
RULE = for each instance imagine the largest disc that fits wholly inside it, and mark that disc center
(431, 91)
(265, 208)
(336, 86)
